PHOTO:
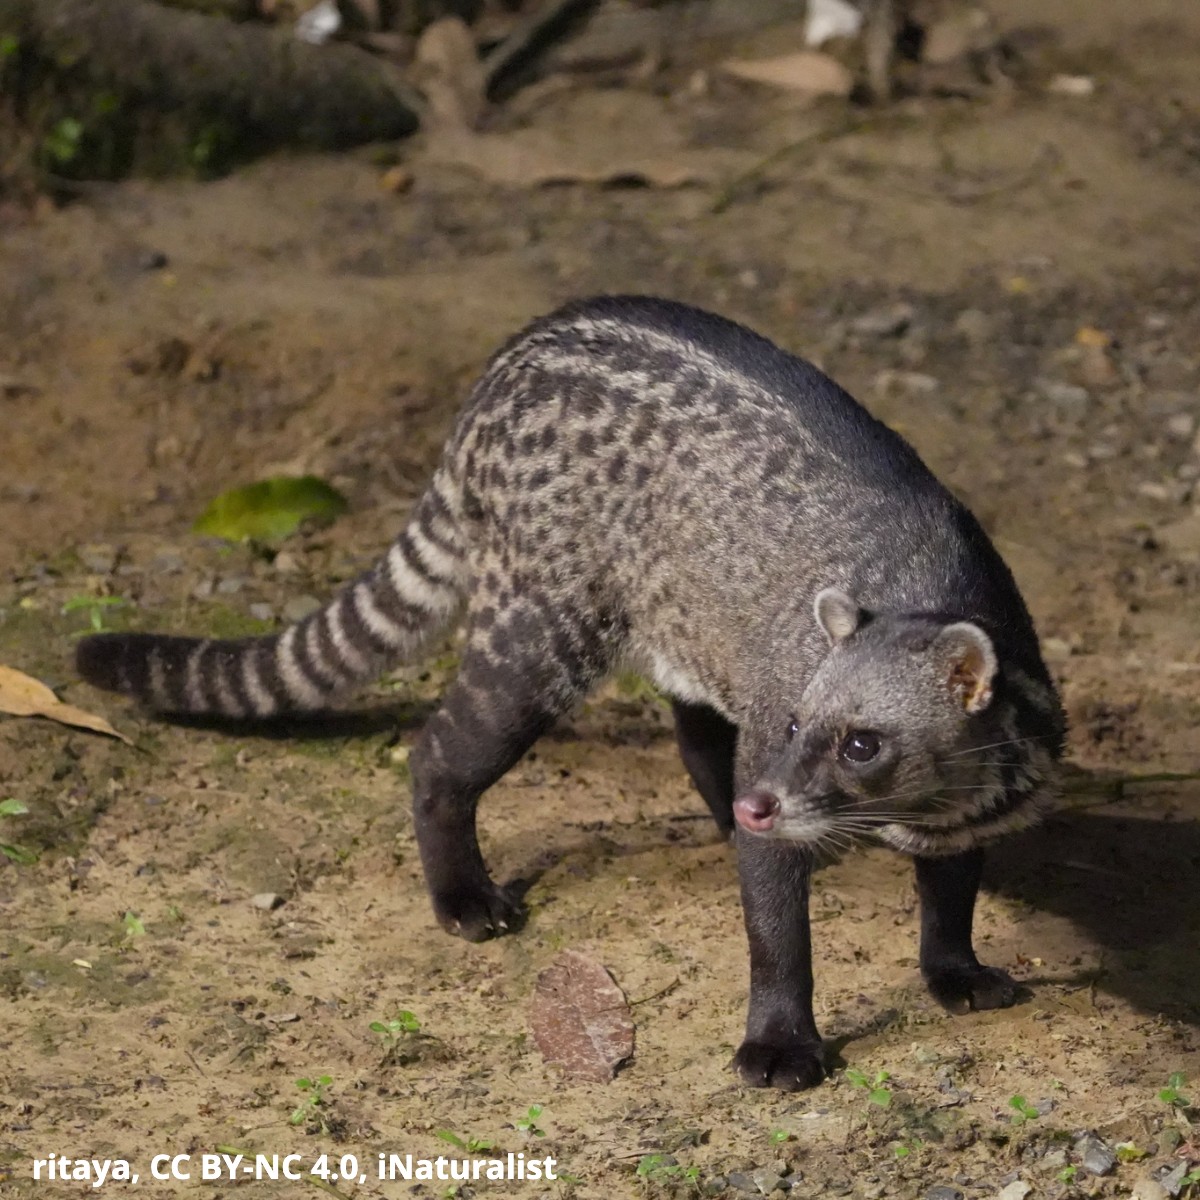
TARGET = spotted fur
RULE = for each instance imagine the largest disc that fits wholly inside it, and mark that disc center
(636, 481)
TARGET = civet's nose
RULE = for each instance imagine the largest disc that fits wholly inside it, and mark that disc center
(756, 811)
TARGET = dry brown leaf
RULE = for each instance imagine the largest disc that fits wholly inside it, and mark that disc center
(804, 71)
(23, 696)
(581, 1019)
(590, 137)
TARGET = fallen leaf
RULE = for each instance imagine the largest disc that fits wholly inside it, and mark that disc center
(581, 1019)
(554, 151)
(804, 71)
(270, 510)
(23, 696)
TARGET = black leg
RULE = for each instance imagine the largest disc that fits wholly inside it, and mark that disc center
(508, 691)
(707, 743)
(782, 1047)
(954, 976)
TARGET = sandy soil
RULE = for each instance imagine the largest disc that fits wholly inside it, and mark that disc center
(305, 319)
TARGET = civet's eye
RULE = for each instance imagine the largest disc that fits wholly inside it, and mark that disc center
(792, 729)
(860, 746)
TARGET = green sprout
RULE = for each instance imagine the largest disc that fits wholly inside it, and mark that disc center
(10, 850)
(472, 1145)
(95, 607)
(528, 1123)
(877, 1093)
(1022, 1110)
(1171, 1094)
(314, 1099)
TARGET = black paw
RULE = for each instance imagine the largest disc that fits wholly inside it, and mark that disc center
(790, 1066)
(971, 989)
(477, 913)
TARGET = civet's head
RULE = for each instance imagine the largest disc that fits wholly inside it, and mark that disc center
(886, 734)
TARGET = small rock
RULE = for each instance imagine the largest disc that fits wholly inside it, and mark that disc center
(766, 1180)
(943, 1192)
(1017, 1190)
(262, 612)
(974, 325)
(167, 562)
(1172, 1182)
(267, 901)
(1071, 85)
(397, 180)
(1065, 395)
(743, 1182)
(1098, 368)
(1154, 491)
(893, 321)
(231, 586)
(203, 590)
(287, 563)
(1054, 1159)
(1180, 427)
(1095, 1157)
(1149, 1189)
(912, 383)
(100, 560)
(299, 607)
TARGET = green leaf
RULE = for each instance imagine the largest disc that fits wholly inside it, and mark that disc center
(270, 510)
(133, 925)
(881, 1096)
(18, 854)
(452, 1138)
(12, 808)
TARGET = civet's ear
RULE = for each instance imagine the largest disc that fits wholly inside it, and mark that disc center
(968, 659)
(837, 614)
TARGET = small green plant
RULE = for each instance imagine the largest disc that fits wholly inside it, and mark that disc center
(778, 1136)
(95, 607)
(1171, 1094)
(1022, 1110)
(472, 1145)
(10, 850)
(658, 1168)
(904, 1149)
(313, 1102)
(134, 929)
(1067, 1174)
(877, 1093)
(1128, 1152)
(62, 143)
(528, 1123)
(403, 1024)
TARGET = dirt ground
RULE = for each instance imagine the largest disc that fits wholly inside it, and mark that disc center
(1011, 281)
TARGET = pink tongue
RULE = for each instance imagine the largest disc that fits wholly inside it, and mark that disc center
(756, 811)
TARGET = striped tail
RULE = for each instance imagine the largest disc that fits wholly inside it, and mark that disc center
(385, 616)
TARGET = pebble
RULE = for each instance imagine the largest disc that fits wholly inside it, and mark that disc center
(1095, 1157)
(1180, 427)
(1017, 1190)
(231, 586)
(1154, 491)
(267, 901)
(743, 1182)
(100, 560)
(766, 1180)
(889, 322)
(167, 562)
(1149, 1189)
(943, 1192)
(1172, 1182)
(1054, 1159)
(287, 563)
(912, 383)
(298, 607)
(975, 325)
(202, 590)
(262, 612)
(1066, 395)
